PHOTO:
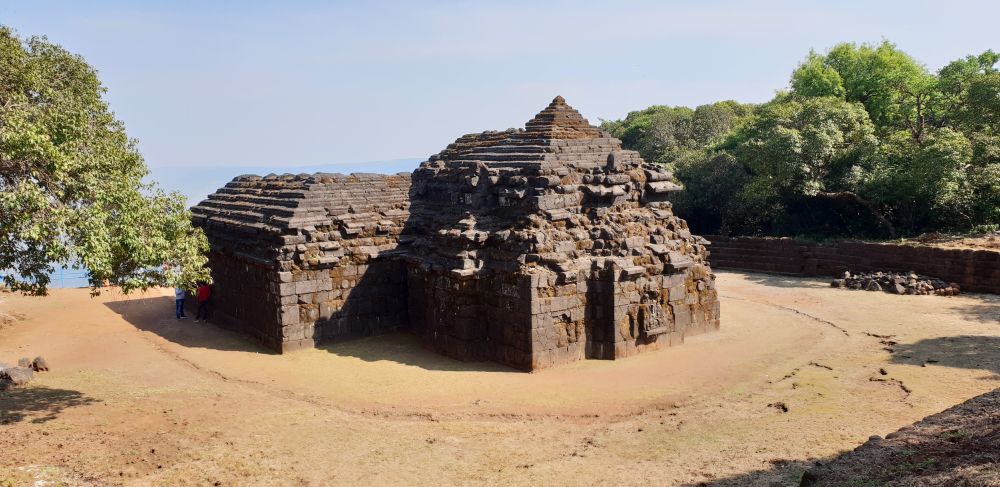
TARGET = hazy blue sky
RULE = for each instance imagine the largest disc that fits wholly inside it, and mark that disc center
(283, 84)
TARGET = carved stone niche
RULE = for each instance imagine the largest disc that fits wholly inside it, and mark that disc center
(653, 318)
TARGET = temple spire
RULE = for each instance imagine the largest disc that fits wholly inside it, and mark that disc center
(561, 121)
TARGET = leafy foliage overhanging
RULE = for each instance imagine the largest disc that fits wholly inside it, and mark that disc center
(864, 142)
(71, 189)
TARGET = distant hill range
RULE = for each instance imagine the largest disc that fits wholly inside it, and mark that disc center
(197, 182)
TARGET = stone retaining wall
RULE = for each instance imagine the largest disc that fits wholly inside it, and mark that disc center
(975, 270)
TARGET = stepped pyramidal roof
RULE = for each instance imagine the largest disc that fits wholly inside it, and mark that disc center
(557, 172)
(531, 247)
(561, 121)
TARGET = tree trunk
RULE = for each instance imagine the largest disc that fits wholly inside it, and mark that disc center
(853, 197)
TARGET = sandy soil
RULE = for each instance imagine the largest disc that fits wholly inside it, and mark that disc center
(799, 372)
(958, 447)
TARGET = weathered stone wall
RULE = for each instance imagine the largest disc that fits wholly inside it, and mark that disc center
(242, 298)
(974, 270)
(551, 244)
(531, 247)
(300, 259)
(472, 319)
(610, 312)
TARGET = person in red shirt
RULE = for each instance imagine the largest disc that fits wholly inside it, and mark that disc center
(203, 293)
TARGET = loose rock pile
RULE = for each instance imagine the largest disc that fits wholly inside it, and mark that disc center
(22, 373)
(896, 283)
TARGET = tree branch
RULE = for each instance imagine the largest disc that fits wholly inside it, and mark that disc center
(853, 197)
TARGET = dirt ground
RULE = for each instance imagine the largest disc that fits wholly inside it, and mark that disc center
(798, 373)
(958, 447)
(988, 241)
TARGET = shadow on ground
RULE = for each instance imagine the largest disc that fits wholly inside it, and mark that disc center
(156, 315)
(406, 349)
(783, 281)
(38, 404)
(987, 310)
(963, 351)
(959, 446)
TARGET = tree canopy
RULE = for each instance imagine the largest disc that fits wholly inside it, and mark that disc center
(665, 134)
(864, 142)
(71, 189)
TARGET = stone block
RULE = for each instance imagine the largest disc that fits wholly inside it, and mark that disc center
(287, 288)
(681, 314)
(289, 314)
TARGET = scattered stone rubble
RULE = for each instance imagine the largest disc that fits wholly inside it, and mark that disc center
(530, 247)
(22, 373)
(896, 283)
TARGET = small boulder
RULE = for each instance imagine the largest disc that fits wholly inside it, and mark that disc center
(24, 362)
(18, 376)
(873, 286)
(40, 365)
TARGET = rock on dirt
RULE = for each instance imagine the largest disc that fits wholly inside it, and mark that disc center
(17, 376)
(780, 406)
(13, 376)
(896, 283)
(40, 365)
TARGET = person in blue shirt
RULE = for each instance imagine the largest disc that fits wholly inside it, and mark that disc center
(179, 301)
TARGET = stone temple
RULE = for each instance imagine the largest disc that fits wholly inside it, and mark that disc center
(529, 247)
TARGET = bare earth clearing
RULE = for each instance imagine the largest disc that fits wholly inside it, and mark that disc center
(989, 241)
(137, 398)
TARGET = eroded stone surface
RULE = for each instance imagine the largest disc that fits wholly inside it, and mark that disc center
(531, 247)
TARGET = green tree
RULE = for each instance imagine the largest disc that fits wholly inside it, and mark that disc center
(981, 110)
(969, 88)
(806, 145)
(710, 123)
(864, 130)
(660, 133)
(818, 147)
(71, 190)
(814, 78)
(896, 90)
(714, 199)
(929, 183)
(663, 134)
